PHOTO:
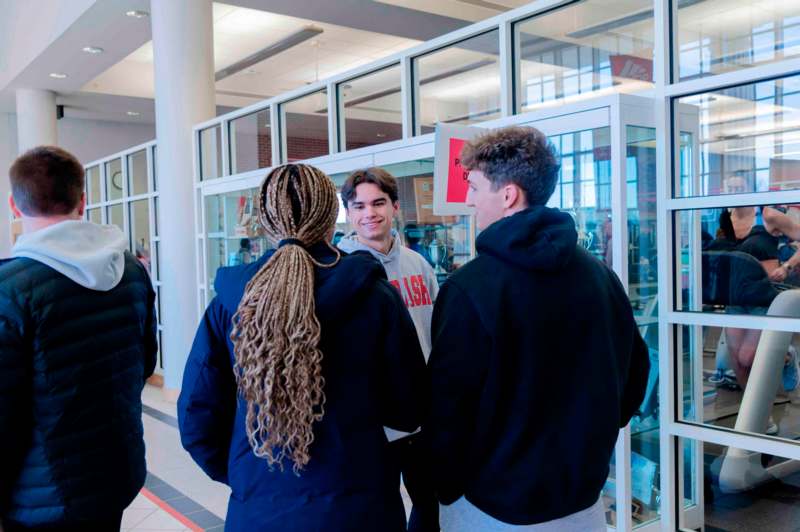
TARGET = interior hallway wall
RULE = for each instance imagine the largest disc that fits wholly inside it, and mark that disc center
(8, 152)
(88, 140)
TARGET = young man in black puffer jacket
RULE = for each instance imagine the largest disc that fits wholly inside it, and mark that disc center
(536, 362)
(77, 341)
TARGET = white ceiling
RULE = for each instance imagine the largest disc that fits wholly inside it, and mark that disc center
(472, 10)
(240, 32)
(355, 32)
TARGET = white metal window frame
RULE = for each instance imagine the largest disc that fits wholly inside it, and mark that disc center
(615, 111)
(413, 146)
(667, 94)
(126, 202)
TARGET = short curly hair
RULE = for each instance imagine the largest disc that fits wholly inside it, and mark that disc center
(519, 155)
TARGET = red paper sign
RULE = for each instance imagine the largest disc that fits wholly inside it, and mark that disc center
(631, 67)
(456, 174)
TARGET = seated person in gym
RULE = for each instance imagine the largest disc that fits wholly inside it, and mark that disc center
(756, 231)
(537, 361)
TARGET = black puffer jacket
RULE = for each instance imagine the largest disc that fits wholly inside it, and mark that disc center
(72, 366)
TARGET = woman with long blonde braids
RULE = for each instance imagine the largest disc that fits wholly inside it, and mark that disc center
(300, 360)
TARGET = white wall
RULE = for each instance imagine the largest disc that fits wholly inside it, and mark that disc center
(8, 152)
(90, 140)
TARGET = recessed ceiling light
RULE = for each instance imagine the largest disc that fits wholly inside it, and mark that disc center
(137, 14)
(132, 113)
(380, 135)
(251, 71)
(57, 75)
(93, 50)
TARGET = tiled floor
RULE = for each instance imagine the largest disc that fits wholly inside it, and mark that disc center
(143, 514)
(173, 478)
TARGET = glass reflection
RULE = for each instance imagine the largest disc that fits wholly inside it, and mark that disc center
(584, 187)
(749, 139)
(737, 260)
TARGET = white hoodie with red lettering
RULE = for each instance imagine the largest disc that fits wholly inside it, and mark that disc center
(413, 277)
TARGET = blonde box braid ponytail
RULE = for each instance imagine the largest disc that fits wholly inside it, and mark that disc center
(276, 332)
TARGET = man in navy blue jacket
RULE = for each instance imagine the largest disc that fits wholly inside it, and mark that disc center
(77, 341)
(536, 362)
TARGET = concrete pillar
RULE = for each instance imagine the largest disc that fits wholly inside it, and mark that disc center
(8, 152)
(36, 119)
(183, 50)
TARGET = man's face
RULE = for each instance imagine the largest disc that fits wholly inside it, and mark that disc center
(489, 204)
(371, 212)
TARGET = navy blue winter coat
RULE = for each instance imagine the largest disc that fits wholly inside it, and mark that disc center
(374, 377)
(73, 362)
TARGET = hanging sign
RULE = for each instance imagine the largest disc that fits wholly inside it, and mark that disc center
(449, 177)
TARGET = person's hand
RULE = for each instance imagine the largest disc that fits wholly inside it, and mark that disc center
(779, 274)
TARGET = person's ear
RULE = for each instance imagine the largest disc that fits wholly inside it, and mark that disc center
(14, 209)
(511, 196)
(82, 205)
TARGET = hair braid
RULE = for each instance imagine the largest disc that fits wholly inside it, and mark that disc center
(276, 332)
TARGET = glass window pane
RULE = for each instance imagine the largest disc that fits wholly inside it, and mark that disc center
(306, 122)
(459, 84)
(444, 241)
(251, 142)
(748, 139)
(137, 173)
(740, 379)
(114, 180)
(160, 352)
(609, 493)
(584, 187)
(643, 292)
(157, 269)
(155, 168)
(95, 216)
(234, 234)
(93, 185)
(737, 497)
(211, 153)
(578, 50)
(139, 217)
(737, 260)
(115, 216)
(155, 215)
(371, 108)
(716, 36)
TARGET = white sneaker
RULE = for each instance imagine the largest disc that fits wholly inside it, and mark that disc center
(772, 427)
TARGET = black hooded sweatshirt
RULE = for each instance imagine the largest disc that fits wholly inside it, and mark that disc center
(536, 365)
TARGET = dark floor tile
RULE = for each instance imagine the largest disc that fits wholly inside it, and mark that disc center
(206, 519)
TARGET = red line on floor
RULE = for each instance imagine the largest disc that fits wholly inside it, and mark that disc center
(172, 511)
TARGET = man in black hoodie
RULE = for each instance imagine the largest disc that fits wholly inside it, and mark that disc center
(536, 362)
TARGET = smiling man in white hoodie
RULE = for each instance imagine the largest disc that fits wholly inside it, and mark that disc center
(77, 341)
(370, 198)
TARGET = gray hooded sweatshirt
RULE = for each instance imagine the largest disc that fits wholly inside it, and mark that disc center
(410, 273)
(91, 255)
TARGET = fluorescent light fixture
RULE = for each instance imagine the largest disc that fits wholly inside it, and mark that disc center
(94, 50)
(57, 75)
(132, 113)
(136, 13)
(273, 49)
